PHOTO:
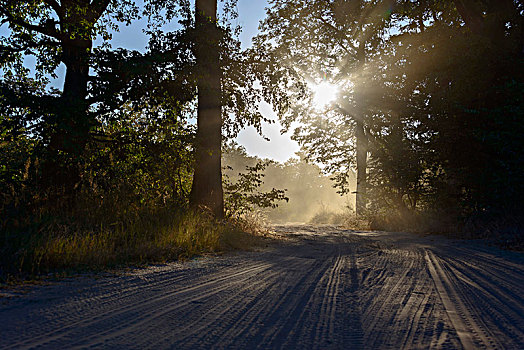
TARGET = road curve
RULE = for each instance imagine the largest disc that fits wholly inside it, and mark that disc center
(322, 288)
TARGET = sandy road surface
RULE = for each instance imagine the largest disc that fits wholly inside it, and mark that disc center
(324, 288)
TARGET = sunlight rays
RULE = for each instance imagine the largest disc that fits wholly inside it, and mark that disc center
(324, 94)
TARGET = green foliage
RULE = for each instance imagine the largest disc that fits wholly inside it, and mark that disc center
(440, 98)
(243, 196)
(100, 172)
(150, 159)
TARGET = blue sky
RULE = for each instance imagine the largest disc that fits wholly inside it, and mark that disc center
(250, 14)
(280, 147)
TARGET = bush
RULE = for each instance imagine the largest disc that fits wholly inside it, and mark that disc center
(129, 206)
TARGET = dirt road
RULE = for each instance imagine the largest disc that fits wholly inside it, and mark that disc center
(323, 288)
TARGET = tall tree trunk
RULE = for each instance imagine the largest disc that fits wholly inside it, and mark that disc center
(206, 191)
(362, 142)
(73, 126)
(71, 133)
(362, 154)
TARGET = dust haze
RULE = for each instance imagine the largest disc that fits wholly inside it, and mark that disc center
(312, 197)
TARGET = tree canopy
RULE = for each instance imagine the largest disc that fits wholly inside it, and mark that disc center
(426, 106)
(426, 90)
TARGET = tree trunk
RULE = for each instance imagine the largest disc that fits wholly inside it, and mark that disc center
(362, 142)
(206, 191)
(471, 15)
(71, 131)
(73, 125)
(362, 154)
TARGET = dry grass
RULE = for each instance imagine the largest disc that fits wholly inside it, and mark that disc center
(505, 230)
(189, 236)
(346, 219)
(248, 232)
(62, 248)
(325, 216)
(353, 222)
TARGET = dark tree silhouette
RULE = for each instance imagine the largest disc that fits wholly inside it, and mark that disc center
(206, 191)
(62, 32)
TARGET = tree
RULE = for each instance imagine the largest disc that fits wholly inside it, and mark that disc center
(180, 65)
(456, 79)
(207, 189)
(434, 101)
(495, 31)
(61, 32)
(330, 40)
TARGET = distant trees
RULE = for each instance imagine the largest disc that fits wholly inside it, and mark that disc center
(255, 186)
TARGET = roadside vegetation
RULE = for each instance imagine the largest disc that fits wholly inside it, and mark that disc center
(136, 213)
(412, 110)
(420, 102)
(111, 168)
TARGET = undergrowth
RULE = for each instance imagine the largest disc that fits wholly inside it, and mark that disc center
(345, 218)
(56, 245)
(504, 230)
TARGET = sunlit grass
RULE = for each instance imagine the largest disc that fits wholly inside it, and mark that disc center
(165, 236)
(143, 242)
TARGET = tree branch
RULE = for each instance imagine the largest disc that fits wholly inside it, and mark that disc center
(14, 48)
(97, 9)
(49, 31)
(341, 42)
(471, 17)
(56, 7)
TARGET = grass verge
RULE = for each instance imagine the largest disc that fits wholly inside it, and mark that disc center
(61, 247)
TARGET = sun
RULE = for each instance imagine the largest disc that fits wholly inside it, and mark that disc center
(324, 93)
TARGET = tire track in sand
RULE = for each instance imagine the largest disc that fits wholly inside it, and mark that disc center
(350, 312)
(324, 288)
(459, 315)
(60, 332)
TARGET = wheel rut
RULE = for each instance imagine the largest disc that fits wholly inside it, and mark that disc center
(323, 288)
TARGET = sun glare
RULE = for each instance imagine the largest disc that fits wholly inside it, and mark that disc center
(323, 94)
